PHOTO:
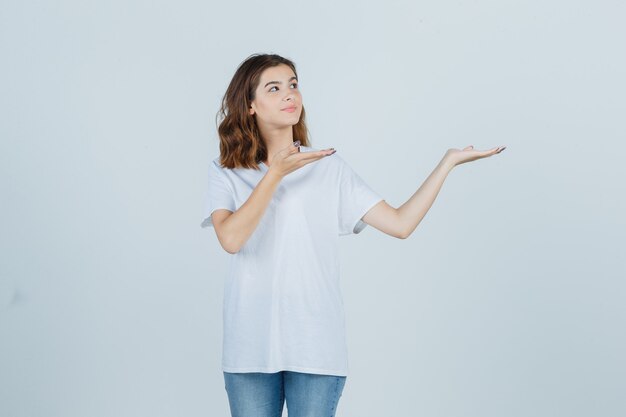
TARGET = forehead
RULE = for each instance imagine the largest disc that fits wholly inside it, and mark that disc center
(280, 72)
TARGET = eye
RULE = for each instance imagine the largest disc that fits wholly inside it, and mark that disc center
(270, 90)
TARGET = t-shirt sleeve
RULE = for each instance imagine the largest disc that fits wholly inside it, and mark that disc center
(218, 195)
(356, 198)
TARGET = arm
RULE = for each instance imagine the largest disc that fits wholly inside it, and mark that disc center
(233, 229)
(401, 222)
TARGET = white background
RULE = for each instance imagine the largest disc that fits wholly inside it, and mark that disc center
(507, 300)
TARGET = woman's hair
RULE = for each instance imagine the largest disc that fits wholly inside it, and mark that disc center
(241, 144)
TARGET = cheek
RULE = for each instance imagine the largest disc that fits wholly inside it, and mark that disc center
(265, 105)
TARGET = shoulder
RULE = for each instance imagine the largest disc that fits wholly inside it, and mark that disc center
(216, 162)
(216, 165)
(216, 170)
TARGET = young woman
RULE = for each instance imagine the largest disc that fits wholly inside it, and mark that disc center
(278, 206)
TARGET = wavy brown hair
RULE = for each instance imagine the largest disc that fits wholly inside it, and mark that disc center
(241, 144)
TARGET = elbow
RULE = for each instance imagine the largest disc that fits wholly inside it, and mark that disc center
(231, 249)
(229, 246)
(401, 227)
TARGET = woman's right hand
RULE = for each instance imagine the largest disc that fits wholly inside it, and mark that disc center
(290, 158)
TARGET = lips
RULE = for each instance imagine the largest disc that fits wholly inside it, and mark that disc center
(290, 108)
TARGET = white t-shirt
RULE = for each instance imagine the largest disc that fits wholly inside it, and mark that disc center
(283, 308)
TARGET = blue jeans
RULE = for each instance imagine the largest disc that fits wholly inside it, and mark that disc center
(256, 394)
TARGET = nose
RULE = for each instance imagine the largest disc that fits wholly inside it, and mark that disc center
(289, 96)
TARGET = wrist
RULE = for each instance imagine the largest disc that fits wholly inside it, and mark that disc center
(446, 164)
(273, 176)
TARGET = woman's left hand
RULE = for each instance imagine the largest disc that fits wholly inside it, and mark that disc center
(455, 157)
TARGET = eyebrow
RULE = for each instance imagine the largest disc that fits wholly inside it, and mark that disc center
(279, 82)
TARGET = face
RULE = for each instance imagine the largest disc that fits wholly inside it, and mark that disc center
(276, 93)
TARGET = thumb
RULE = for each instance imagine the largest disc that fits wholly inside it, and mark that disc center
(294, 145)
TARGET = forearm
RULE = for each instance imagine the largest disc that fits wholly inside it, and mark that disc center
(411, 213)
(240, 225)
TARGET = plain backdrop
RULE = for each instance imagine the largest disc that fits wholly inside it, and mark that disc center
(507, 300)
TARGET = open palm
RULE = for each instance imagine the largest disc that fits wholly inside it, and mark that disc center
(467, 154)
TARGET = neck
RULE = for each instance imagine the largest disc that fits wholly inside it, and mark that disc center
(276, 140)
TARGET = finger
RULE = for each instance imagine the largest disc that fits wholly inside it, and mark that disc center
(316, 154)
(291, 149)
(494, 151)
(295, 145)
(311, 156)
